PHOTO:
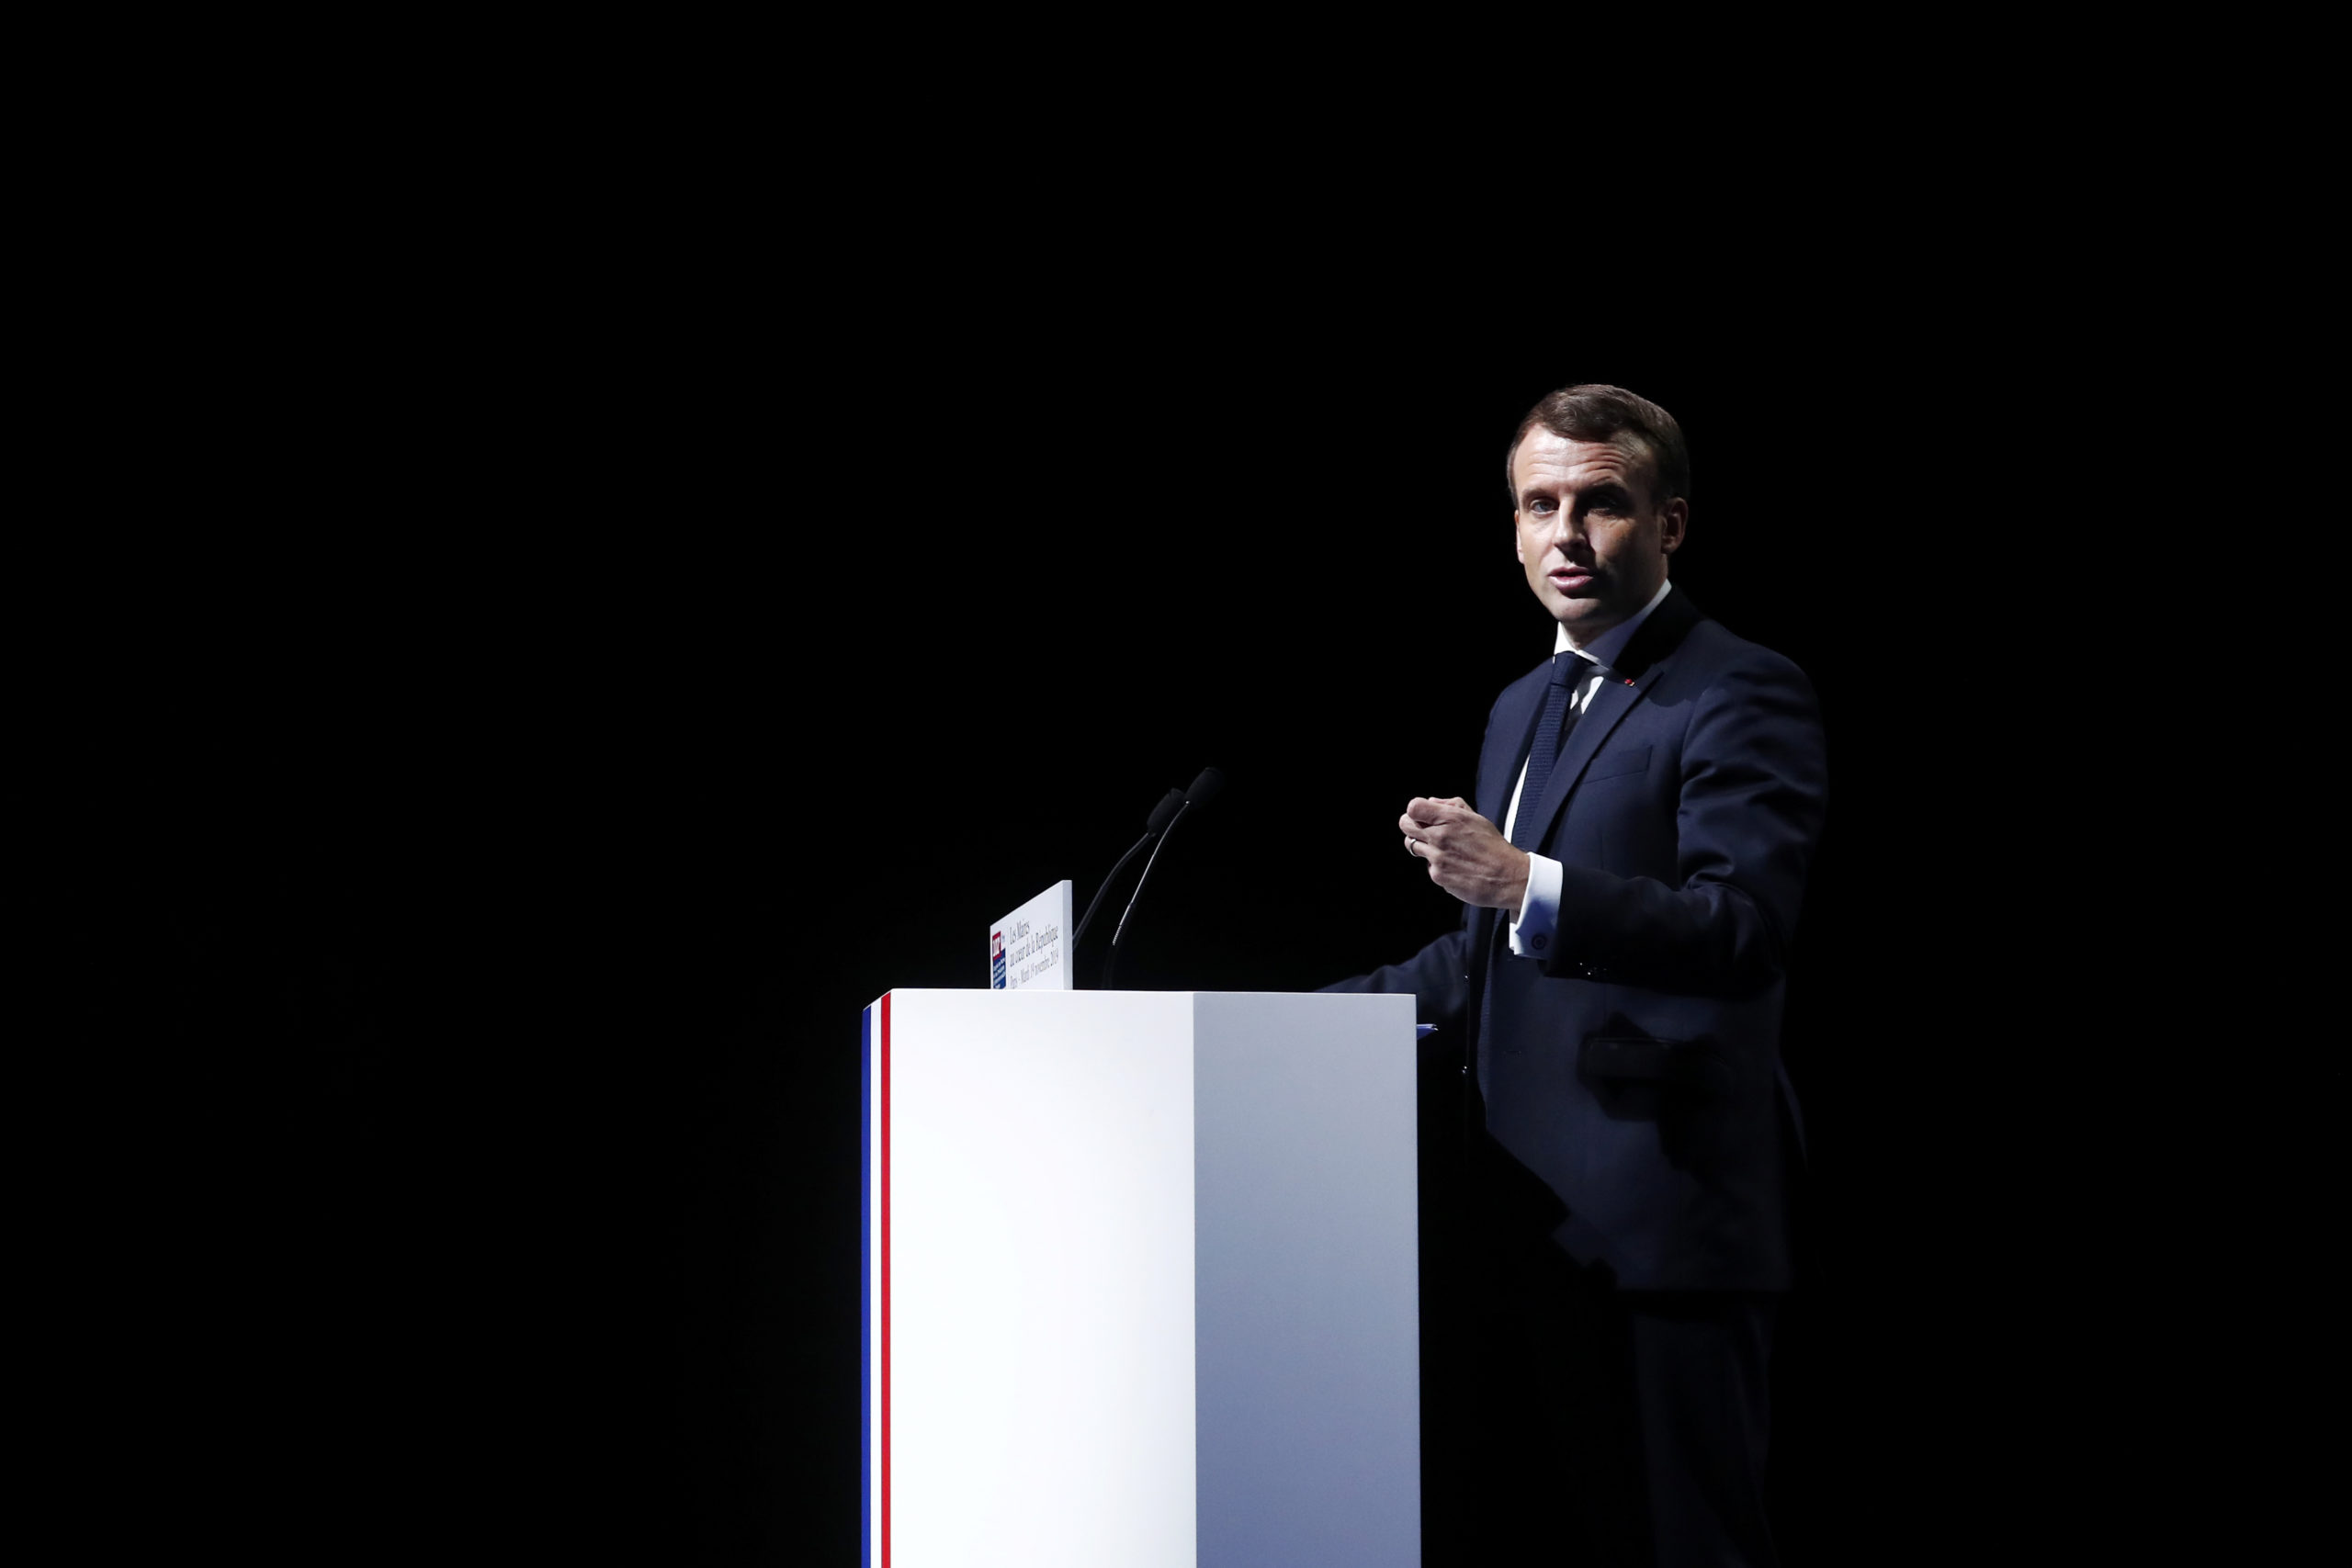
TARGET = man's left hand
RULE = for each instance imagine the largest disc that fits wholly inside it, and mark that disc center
(1466, 855)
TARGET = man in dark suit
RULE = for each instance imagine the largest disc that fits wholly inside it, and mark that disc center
(1632, 870)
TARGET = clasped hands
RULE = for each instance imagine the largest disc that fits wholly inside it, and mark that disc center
(1466, 854)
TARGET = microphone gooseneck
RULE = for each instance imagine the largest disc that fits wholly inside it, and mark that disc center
(1204, 788)
(1170, 806)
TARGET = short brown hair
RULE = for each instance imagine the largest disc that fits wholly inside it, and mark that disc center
(1591, 412)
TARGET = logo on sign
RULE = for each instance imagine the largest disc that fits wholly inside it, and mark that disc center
(996, 961)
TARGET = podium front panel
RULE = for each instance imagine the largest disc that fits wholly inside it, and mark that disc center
(1141, 1280)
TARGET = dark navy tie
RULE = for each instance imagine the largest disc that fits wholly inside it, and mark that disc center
(1569, 670)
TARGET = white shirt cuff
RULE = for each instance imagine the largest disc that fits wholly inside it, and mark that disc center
(1539, 911)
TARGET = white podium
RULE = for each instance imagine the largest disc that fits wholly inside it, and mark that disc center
(1140, 1282)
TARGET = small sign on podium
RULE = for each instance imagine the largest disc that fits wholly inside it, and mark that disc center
(1031, 946)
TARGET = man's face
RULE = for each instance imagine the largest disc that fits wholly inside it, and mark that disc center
(1593, 538)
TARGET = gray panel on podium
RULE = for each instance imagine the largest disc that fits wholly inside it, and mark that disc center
(1305, 1283)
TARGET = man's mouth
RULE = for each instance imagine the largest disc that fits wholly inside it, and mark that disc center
(1568, 579)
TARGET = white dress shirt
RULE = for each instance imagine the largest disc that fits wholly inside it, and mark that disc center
(1539, 911)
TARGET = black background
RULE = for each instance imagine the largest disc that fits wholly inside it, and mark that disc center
(592, 687)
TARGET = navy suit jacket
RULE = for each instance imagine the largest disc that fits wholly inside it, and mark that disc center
(1634, 1068)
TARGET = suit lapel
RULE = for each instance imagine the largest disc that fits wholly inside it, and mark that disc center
(1638, 668)
(1506, 745)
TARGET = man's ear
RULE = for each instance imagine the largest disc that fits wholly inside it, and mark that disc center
(1518, 540)
(1675, 516)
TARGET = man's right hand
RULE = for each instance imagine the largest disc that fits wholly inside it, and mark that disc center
(1466, 854)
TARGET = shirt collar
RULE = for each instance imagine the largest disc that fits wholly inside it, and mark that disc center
(1603, 649)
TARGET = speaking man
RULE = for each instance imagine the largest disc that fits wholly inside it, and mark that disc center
(1647, 804)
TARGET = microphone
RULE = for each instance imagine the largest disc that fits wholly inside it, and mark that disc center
(1162, 814)
(1204, 789)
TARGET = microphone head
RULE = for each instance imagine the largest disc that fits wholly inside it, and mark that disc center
(1204, 788)
(1165, 812)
